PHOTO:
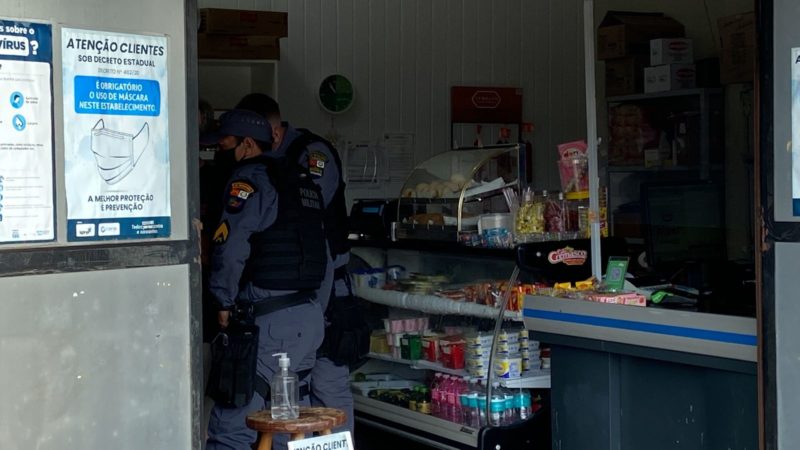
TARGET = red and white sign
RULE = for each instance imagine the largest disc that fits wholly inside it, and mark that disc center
(486, 99)
(485, 104)
(568, 256)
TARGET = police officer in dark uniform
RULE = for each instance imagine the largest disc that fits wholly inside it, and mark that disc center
(268, 263)
(330, 376)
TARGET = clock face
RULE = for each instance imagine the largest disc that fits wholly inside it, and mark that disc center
(336, 94)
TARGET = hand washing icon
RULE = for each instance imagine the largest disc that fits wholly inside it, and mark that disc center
(116, 153)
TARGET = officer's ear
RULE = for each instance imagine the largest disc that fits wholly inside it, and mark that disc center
(251, 147)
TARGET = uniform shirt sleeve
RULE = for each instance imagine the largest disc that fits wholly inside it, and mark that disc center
(241, 217)
(319, 160)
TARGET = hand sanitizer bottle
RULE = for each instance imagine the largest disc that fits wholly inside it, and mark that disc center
(285, 391)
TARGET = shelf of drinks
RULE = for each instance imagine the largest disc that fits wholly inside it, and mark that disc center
(533, 379)
(431, 304)
(423, 422)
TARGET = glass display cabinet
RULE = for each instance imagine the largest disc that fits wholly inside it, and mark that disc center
(450, 192)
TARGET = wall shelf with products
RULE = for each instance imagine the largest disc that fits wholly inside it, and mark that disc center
(671, 136)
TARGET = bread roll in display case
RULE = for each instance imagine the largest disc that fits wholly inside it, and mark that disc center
(448, 193)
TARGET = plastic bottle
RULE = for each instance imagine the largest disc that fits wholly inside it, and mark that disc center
(511, 414)
(482, 410)
(441, 399)
(523, 404)
(457, 412)
(497, 406)
(285, 391)
(435, 385)
(471, 411)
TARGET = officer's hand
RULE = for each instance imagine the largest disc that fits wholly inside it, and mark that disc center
(223, 317)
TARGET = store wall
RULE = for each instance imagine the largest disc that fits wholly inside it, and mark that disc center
(403, 56)
(700, 22)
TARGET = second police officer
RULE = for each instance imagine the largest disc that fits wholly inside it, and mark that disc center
(347, 336)
(269, 261)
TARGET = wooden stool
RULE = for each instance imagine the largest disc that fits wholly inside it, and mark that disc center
(311, 420)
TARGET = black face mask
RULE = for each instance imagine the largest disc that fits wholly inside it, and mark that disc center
(225, 160)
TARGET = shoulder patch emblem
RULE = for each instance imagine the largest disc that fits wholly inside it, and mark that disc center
(221, 235)
(316, 163)
(239, 192)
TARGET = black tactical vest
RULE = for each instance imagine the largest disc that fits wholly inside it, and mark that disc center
(335, 215)
(290, 254)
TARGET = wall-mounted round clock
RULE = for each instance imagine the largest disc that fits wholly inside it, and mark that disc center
(336, 94)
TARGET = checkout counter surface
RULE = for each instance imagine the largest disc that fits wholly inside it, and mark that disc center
(683, 331)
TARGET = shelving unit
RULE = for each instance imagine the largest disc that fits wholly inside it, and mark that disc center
(534, 379)
(431, 304)
(440, 428)
(698, 112)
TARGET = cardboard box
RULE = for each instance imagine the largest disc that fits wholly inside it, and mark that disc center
(239, 21)
(624, 33)
(671, 51)
(625, 76)
(670, 77)
(237, 47)
(738, 56)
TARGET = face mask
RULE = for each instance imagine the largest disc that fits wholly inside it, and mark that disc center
(116, 153)
(225, 159)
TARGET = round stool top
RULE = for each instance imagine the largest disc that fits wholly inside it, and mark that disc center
(311, 419)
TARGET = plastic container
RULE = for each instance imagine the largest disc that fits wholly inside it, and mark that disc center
(574, 173)
(285, 391)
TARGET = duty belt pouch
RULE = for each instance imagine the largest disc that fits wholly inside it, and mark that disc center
(347, 335)
(234, 354)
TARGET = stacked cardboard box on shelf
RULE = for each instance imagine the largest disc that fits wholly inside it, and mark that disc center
(738, 37)
(671, 66)
(240, 34)
(623, 42)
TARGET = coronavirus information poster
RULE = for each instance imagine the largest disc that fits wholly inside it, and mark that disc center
(116, 135)
(26, 132)
(796, 131)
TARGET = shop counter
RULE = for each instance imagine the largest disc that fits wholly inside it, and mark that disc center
(645, 377)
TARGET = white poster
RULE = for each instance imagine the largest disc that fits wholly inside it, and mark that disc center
(116, 135)
(26, 132)
(796, 131)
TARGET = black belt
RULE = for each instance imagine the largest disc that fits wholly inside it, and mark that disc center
(272, 304)
(263, 388)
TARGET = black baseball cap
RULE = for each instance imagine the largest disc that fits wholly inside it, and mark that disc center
(240, 123)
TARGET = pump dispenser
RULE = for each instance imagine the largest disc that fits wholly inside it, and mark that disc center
(285, 391)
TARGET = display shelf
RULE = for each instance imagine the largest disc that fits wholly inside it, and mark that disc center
(431, 304)
(417, 421)
(420, 364)
(534, 379)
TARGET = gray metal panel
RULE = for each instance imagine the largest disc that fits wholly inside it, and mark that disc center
(96, 360)
(608, 323)
(608, 401)
(787, 335)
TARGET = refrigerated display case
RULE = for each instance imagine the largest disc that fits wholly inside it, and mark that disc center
(450, 192)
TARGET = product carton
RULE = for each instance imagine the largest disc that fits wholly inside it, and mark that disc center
(239, 21)
(671, 51)
(737, 58)
(625, 76)
(670, 77)
(623, 33)
(237, 46)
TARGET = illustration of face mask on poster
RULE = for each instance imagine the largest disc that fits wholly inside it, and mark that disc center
(116, 135)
